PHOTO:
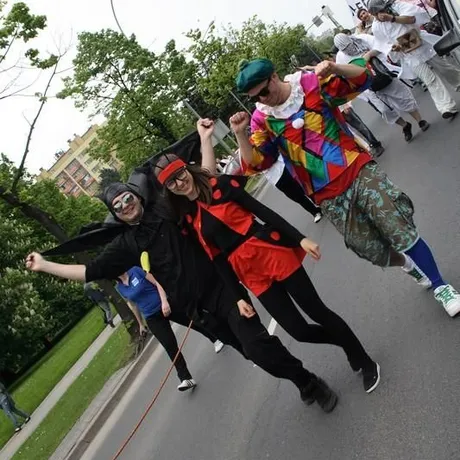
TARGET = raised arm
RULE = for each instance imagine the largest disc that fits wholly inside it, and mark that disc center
(340, 83)
(205, 128)
(258, 153)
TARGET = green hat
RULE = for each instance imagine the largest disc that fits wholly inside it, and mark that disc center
(252, 73)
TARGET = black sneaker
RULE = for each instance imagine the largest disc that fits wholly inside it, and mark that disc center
(423, 125)
(318, 390)
(371, 377)
(407, 131)
(449, 115)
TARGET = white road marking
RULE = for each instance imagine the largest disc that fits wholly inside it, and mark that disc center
(272, 326)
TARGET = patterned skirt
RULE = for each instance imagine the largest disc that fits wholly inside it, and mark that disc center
(373, 215)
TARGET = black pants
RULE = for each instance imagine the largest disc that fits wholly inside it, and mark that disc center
(354, 120)
(257, 344)
(182, 319)
(161, 329)
(294, 191)
(331, 328)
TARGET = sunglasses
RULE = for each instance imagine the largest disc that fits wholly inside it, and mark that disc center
(181, 175)
(124, 201)
(264, 92)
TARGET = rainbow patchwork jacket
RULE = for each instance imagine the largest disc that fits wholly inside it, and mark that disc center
(318, 147)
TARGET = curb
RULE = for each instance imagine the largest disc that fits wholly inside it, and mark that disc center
(129, 374)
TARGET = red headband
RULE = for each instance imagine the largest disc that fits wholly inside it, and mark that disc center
(167, 172)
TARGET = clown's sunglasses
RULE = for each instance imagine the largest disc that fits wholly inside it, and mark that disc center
(264, 92)
(124, 201)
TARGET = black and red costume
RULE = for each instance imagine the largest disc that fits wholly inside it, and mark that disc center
(267, 258)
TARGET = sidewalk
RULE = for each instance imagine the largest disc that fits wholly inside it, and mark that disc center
(53, 397)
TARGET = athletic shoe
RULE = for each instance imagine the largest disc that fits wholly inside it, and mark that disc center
(371, 377)
(186, 385)
(376, 150)
(407, 131)
(449, 115)
(449, 298)
(423, 125)
(415, 272)
(18, 429)
(318, 217)
(218, 345)
(27, 420)
(318, 390)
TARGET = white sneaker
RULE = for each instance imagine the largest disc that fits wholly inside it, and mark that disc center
(317, 218)
(415, 272)
(218, 345)
(449, 298)
(186, 385)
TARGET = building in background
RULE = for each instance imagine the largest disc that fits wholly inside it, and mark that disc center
(75, 172)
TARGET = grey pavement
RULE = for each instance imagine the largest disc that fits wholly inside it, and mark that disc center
(53, 397)
(239, 412)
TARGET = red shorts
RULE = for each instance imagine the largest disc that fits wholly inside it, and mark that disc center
(258, 263)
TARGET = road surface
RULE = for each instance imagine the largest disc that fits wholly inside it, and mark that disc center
(240, 413)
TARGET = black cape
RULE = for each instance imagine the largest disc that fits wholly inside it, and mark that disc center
(98, 234)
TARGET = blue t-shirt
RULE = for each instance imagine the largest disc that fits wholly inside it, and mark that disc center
(141, 292)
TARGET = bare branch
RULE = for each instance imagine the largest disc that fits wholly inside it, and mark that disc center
(32, 127)
(8, 48)
(16, 93)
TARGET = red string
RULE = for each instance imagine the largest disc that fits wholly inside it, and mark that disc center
(152, 402)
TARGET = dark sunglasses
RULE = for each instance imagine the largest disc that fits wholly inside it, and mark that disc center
(181, 175)
(124, 201)
(264, 92)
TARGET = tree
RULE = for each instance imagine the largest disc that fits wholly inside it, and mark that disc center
(218, 53)
(118, 78)
(18, 26)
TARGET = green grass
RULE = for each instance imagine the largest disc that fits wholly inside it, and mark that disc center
(47, 437)
(45, 374)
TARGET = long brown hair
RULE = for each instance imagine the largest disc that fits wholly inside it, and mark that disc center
(201, 177)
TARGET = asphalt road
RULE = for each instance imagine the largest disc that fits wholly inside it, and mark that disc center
(240, 413)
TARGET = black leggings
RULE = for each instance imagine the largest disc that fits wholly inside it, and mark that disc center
(252, 339)
(294, 191)
(331, 328)
(161, 329)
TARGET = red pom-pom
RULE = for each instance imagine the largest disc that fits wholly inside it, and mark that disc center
(275, 236)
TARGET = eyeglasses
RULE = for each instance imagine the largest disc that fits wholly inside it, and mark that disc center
(181, 175)
(124, 201)
(264, 92)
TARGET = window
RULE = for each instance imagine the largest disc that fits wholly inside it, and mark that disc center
(85, 179)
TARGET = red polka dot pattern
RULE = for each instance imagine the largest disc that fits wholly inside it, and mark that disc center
(184, 231)
(213, 181)
(234, 183)
(275, 236)
(189, 218)
(217, 195)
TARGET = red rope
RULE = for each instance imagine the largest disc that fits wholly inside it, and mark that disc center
(152, 402)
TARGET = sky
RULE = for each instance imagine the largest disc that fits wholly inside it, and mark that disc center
(154, 23)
